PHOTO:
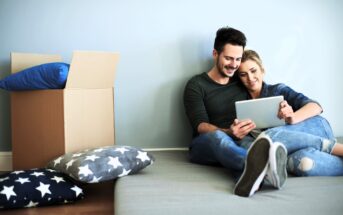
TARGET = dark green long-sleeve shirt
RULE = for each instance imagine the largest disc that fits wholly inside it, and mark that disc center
(210, 102)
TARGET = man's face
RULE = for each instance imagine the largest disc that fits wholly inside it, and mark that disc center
(228, 61)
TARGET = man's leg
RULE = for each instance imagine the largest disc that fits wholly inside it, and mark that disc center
(217, 148)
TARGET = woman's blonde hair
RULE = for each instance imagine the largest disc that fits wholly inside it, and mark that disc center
(252, 55)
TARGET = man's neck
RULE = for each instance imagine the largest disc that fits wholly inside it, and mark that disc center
(217, 77)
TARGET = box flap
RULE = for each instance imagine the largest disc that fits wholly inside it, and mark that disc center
(20, 61)
(90, 69)
(89, 118)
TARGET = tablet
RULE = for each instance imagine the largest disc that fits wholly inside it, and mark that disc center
(262, 111)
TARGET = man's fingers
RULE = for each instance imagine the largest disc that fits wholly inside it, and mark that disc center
(244, 122)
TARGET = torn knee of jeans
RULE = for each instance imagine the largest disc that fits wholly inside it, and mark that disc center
(306, 164)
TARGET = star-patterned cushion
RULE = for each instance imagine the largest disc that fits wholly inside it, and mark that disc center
(37, 187)
(103, 163)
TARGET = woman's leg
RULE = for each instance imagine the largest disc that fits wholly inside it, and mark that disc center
(295, 140)
(311, 162)
(217, 148)
(316, 125)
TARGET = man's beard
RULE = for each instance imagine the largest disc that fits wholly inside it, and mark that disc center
(223, 74)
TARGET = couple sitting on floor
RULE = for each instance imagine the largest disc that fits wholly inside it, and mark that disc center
(305, 146)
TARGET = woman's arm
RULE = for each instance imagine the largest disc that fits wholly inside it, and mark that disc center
(307, 111)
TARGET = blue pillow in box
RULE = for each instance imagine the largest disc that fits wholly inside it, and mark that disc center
(44, 76)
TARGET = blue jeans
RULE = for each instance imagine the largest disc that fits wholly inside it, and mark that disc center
(309, 146)
(308, 143)
(215, 148)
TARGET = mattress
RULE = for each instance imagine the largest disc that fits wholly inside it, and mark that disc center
(173, 185)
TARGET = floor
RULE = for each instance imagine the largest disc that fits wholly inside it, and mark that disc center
(99, 200)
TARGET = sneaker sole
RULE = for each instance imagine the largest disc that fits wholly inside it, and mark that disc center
(255, 169)
(278, 167)
(281, 170)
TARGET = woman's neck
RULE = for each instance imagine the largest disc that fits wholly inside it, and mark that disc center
(255, 94)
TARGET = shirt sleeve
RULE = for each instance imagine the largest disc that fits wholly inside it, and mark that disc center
(293, 98)
(194, 104)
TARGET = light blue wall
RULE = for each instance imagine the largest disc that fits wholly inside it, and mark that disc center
(163, 43)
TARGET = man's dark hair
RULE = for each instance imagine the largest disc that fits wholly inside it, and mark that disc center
(229, 35)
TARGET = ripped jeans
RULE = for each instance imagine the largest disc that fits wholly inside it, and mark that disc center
(309, 146)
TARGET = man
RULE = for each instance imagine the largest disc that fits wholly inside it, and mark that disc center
(209, 100)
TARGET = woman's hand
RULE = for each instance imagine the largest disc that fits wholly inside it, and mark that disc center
(286, 112)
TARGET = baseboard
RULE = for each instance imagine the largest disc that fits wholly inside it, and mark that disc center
(165, 149)
(5, 161)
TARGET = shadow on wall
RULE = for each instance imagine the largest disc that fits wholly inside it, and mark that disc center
(5, 123)
(194, 58)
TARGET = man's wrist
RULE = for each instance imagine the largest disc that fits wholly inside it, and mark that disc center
(227, 131)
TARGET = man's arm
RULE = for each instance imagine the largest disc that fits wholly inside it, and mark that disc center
(237, 130)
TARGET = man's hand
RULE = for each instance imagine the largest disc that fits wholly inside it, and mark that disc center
(286, 112)
(240, 128)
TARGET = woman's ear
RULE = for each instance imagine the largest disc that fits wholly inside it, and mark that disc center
(263, 71)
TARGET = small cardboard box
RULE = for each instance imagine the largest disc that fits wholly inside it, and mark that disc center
(49, 123)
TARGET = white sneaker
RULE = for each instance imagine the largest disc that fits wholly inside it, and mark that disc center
(256, 165)
(277, 172)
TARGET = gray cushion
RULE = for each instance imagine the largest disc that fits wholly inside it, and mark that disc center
(173, 185)
(102, 164)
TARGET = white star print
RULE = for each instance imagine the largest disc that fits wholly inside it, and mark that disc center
(57, 161)
(17, 172)
(70, 163)
(77, 190)
(98, 150)
(8, 191)
(84, 170)
(114, 161)
(92, 157)
(125, 172)
(122, 150)
(95, 179)
(23, 180)
(4, 179)
(50, 170)
(43, 188)
(31, 204)
(57, 179)
(37, 174)
(143, 156)
(77, 155)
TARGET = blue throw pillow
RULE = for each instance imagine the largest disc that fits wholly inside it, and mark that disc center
(37, 187)
(44, 76)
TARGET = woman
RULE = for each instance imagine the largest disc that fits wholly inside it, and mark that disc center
(308, 137)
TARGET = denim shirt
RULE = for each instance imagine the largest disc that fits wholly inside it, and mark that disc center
(293, 98)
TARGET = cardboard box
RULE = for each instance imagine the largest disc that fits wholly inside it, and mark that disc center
(49, 123)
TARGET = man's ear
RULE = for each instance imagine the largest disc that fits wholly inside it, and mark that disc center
(214, 53)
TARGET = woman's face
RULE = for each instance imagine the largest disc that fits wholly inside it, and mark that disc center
(251, 75)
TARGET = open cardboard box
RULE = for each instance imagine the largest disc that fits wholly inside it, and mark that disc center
(49, 123)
